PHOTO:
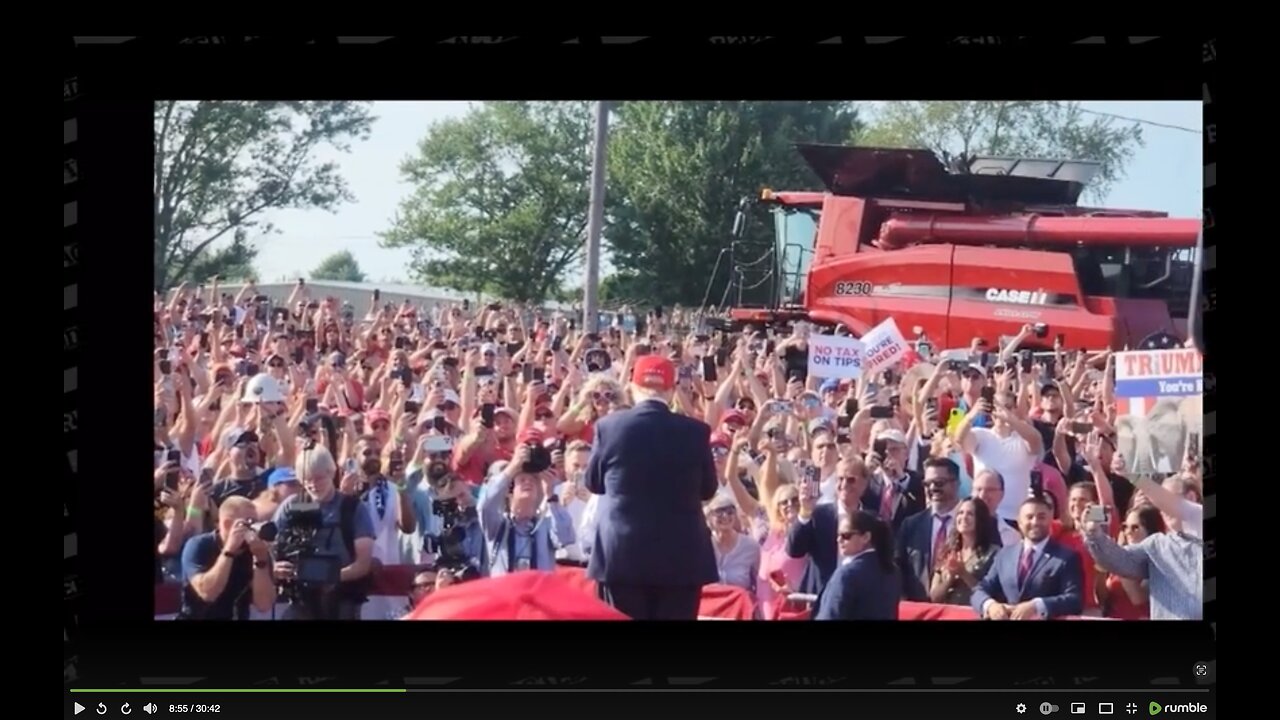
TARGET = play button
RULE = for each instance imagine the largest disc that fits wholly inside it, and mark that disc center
(79, 709)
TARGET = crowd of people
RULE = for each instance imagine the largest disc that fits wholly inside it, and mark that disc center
(302, 447)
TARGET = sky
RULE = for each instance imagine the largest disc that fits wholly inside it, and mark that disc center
(1164, 175)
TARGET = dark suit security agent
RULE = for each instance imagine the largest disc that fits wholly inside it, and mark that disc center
(652, 552)
(1036, 579)
(866, 585)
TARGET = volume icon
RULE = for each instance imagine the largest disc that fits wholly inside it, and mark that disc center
(150, 708)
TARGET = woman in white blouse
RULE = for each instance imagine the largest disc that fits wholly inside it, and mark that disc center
(737, 555)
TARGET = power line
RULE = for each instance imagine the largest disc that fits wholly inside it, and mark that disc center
(1140, 121)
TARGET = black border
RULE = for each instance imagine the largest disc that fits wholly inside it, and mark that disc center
(111, 639)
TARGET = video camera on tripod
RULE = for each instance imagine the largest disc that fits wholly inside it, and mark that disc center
(297, 544)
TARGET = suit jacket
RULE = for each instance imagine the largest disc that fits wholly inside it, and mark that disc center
(904, 504)
(815, 539)
(860, 590)
(653, 470)
(1056, 578)
(914, 549)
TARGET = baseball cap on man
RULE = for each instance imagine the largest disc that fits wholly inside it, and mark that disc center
(237, 436)
(893, 436)
(654, 372)
(531, 436)
(279, 476)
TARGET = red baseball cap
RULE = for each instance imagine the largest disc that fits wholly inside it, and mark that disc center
(654, 372)
(531, 436)
(719, 439)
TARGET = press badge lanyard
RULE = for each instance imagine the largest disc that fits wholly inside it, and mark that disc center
(513, 562)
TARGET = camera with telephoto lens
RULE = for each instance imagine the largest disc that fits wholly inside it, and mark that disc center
(449, 546)
(296, 544)
(539, 459)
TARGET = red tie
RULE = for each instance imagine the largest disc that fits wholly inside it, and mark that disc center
(940, 539)
(886, 502)
(1024, 567)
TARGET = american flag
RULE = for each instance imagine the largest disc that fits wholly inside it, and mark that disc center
(1135, 405)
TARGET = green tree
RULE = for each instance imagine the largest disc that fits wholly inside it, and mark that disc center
(1051, 130)
(676, 174)
(220, 164)
(500, 204)
(340, 266)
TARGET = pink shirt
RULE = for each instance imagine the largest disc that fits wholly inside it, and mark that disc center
(773, 557)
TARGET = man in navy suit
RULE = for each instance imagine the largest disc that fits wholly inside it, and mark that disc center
(900, 491)
(814, 536)
(1036, 579)
(654, 470)
(923, 536)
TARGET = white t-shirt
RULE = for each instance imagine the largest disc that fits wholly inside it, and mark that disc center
(827, 489)
(386, 547)
(193, 463)
(577, 509)
(1012, 458)
(1192, 518)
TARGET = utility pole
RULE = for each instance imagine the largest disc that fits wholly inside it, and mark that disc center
(595, 219)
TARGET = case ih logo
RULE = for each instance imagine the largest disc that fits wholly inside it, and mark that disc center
(1018, 297)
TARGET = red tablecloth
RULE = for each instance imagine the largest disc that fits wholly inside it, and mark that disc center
(719, 602)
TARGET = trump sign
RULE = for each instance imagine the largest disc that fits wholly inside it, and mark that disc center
(1159, 373)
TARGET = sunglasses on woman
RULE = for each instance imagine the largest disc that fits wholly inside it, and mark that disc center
(789, 502)
(848, 535)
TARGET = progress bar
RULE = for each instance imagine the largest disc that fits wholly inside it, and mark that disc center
(650, 690)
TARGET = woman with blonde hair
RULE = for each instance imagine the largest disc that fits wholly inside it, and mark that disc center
(599, 396)
(772, 516)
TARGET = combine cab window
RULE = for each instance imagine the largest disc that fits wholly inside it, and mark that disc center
(1138, 273)
(797, 231)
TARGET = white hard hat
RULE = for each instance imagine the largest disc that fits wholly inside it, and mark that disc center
(262, 388)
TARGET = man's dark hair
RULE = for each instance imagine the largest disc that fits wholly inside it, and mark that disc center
(1040, 500)
(946, 464)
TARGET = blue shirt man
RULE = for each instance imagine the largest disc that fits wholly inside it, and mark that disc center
(523, 523)
(330, 540)
(431, 526)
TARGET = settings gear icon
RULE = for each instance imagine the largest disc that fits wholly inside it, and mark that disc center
(1021, 708)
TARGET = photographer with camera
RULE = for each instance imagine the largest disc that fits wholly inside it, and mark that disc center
(227, 570)
(523, 522)
(324, 545)
(450, 536)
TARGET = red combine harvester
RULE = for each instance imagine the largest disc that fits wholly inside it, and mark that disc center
(977, 249)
